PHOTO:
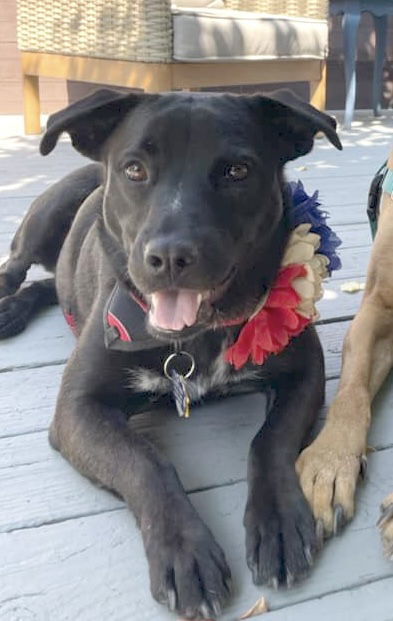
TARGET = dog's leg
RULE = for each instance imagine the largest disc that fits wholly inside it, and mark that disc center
(17, 309)
(188, 570)
(330, 466)
(12, 274)
(385, 524)
(280, 531)
(41, 234)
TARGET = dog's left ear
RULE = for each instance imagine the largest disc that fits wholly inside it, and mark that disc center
(91, 120)
(295, 122)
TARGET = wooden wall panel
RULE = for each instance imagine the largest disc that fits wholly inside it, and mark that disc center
(54, 93)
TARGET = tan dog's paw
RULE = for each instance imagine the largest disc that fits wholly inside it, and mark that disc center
(385, 525)
(328, 474)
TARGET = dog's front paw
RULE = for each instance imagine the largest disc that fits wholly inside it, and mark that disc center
(188, 571)
(280, 535)
(14, 314)
(328, 472)
(385, 525)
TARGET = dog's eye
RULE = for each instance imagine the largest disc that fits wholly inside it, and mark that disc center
(135, 171)
(236, 172)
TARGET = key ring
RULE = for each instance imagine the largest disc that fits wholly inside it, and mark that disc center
(172, 357)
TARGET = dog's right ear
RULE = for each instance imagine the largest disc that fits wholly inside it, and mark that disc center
(90, 121)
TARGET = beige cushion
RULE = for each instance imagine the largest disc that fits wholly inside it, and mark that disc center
(211, 4)
(202, 35)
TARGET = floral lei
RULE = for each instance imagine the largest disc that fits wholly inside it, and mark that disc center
(309, 258)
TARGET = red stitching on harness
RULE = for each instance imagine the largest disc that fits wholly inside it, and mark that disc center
(140, 302)
(115, 322)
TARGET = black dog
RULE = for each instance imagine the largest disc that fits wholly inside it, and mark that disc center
(185, 213)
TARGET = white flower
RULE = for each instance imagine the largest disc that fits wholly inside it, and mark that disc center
(301, 245)
(301, 249)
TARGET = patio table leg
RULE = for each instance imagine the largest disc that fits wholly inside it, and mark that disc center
(350, 26)
(381, 26)
(31, 104)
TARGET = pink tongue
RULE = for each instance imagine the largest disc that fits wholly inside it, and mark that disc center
(173, 310)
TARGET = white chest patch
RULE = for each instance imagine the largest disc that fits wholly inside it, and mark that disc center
(217, 376)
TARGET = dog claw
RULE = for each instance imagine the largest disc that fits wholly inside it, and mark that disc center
(171, 600)
(309, 557)
(385, 525)
(386, 515)
(290, 579)
(338, 519)
(216, 608)
(319, 532)
(273, 583)
(228, 584)
(205, 610)
(363, 467)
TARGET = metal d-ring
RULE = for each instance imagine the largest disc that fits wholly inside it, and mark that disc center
(172, 357)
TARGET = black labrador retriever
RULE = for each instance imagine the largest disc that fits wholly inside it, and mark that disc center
(178, 231)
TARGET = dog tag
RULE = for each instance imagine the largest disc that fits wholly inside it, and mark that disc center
(186, 364)
(180, 394)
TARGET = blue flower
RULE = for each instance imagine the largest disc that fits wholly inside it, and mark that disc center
(306, 209)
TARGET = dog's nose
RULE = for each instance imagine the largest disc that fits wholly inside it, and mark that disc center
(162, 256)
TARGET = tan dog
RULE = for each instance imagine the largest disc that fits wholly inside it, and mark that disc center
(329, 468)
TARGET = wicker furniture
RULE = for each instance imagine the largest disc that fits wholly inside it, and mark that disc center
(143, 44)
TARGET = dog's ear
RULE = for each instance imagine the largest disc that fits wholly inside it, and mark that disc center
(296, 122)
(90, 121)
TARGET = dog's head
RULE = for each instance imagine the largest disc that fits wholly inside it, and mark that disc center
(194, 216)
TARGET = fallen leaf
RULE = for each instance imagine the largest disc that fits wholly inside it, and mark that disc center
(259, 608)
(352, 286)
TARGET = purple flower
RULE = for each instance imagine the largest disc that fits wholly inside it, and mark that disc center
(306, 209)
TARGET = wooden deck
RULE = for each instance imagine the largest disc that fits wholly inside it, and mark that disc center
(69, 551)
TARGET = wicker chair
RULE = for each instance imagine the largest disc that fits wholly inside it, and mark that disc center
(156, 46)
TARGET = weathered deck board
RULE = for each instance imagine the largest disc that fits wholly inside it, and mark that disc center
(337, 303)
(365, 602)
(221, 432)
(50, 341)
(22, 415)
(27, 399)
(353, 235)
(78, 555)
(30, 410)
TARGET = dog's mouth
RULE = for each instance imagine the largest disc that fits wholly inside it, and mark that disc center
(176, 310)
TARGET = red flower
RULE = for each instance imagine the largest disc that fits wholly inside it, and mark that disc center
(271, 329)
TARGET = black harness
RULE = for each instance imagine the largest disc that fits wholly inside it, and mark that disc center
(125, 322)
